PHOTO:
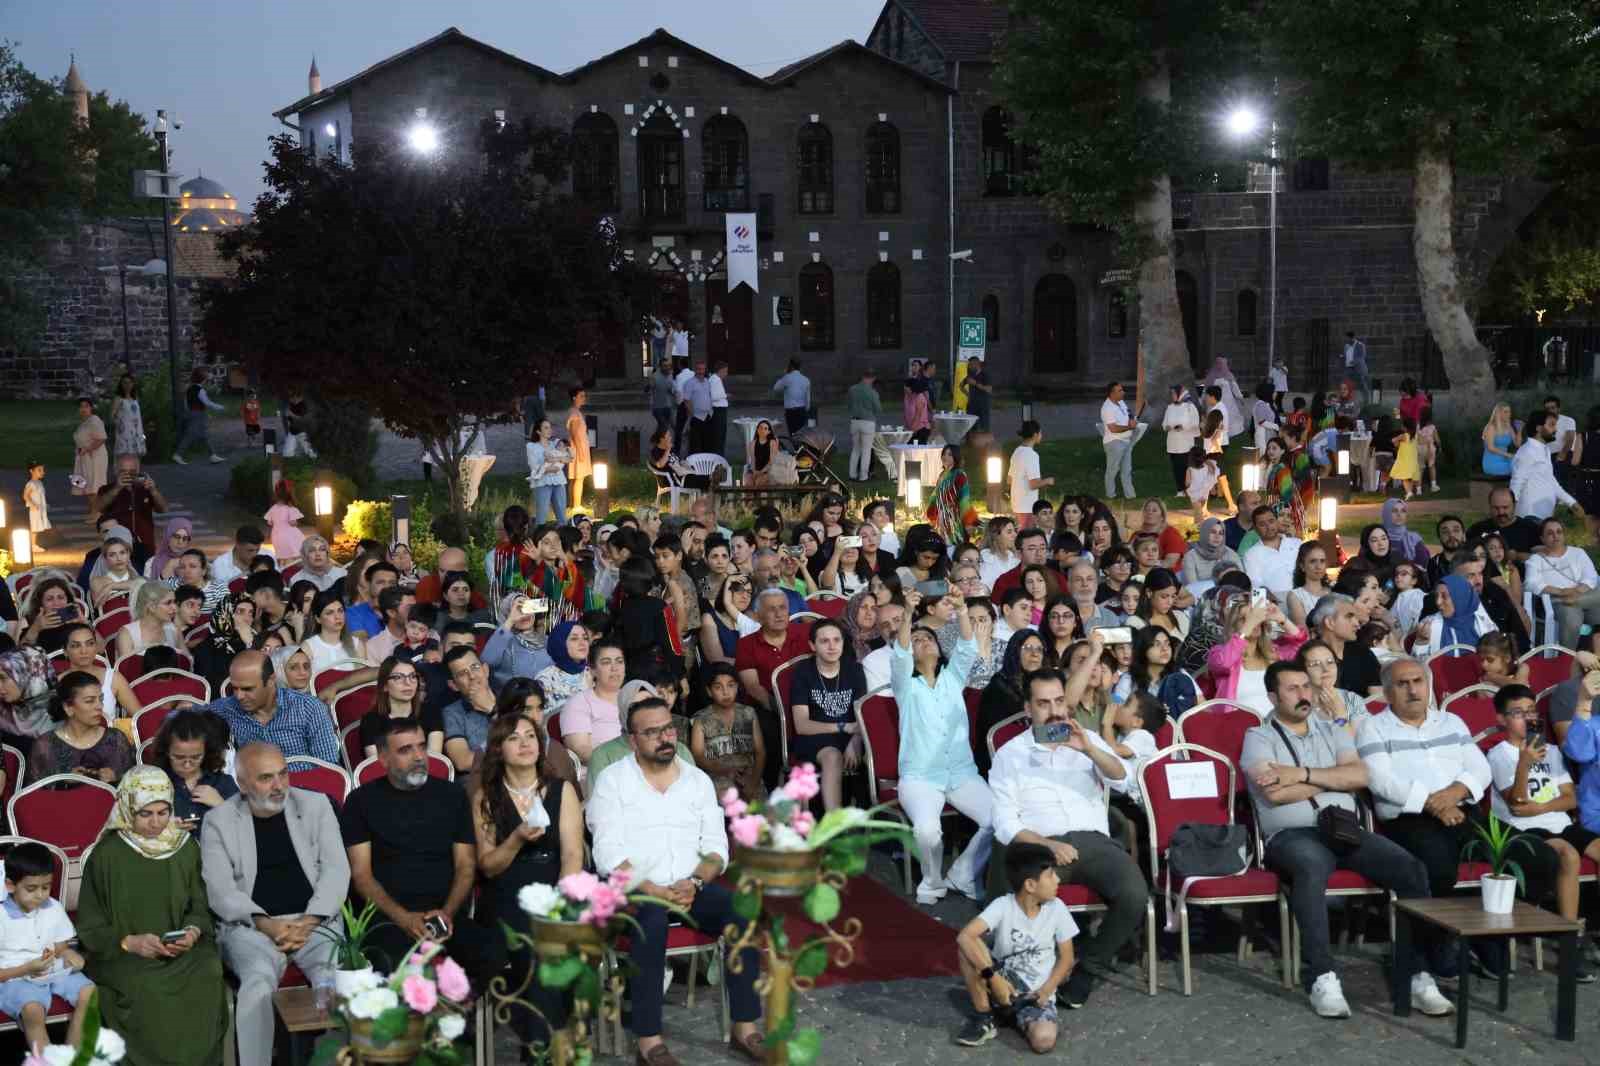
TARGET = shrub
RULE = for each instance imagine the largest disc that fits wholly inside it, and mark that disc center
(341, 432)
(368, 520)
(5, 563)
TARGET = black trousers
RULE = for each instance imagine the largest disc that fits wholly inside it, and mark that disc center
(795, 419)
(479, 950)
(711, 913)
(1180, 469)
(1439, 847)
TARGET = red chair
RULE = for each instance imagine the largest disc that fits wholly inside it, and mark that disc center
(59, 1009)
(318, 776)
(878, 718)
(67, 810)
(1377, 705)
(323, 678)
(973, 697)
(16, 769)
(115, 602)
(350, 746)
(1164, 812)
(780, 695)
(289, 573)
(108, 623)
(236, 586)
(1490, 739)
(131, 667)
(351, 704)
(1474, 705)
(1004, 731)
(369, 770)
(147, 723)
(164, 684)
(1548, 664)
(1219, 725)
(1454, 668)
(22, 583)
(58, 660)
(682, 942)
(828, 604)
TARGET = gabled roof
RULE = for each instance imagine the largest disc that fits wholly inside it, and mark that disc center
(662, 37)
(963, 30)
(449, 36)
(847, 47)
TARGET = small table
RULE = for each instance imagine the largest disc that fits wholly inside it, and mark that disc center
(1465, 918)
(297, 1008)
(953, 426)
(885, 439)
(926, 454)
(749, 427)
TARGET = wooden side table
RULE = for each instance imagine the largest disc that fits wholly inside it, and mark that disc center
(1465, 918)
(297, 1009)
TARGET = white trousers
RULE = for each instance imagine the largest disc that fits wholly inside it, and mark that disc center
(924, 803)
(259, 966)
(863, 431)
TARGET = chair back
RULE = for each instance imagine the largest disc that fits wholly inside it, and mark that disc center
(59, 661)
(236, 586)
(1548, 664)
(139, 753)
(21, 583)
(1489, 739)
(350, 747)
(1218, 725)
(109, 622)
(289, 573)
(164, 684)
(369, 770)
(1184, 783)
(781, 678)
(152, 716)
(481, 632)
(60, 864)
(1474, 705)
(706, 463)
(115, 602)
(972, 697)
(827, 604)
(67, 810)
(878, 717)
(804, 617)
(16, 771)
(1004, 731)
(338, 672)
(318, 776)
(1454, 668)
(131, 667)
(441, 767)
(351, 704)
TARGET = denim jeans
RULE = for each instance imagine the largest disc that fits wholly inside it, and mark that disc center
(550, 499)
(196, 430)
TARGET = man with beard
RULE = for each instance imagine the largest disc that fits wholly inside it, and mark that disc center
(412, 852)
(1520, 534)
(1297, 765)
(1452, 536)
(275, 870)
(656, 819)
(1533, 475)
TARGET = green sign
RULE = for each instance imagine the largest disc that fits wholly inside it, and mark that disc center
(974, 333)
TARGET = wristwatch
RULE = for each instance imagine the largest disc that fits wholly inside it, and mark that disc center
(697, 882)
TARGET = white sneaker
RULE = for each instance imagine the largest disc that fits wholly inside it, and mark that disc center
(1426, 997)
(218, 459)
(1327, 997)
(666, 979)
(180, 460)
(931, 892)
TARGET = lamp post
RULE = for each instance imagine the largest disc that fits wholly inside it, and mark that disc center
(1243, 121)
(602, 488)
(21, 548)
(322, 504)
(993, 470)
(172, 296)
(400, 514)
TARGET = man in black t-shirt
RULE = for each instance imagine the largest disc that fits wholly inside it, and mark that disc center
(412, 852)
(1520, 532)
(1334, 620)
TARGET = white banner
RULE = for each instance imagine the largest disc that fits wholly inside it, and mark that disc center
(742, 250)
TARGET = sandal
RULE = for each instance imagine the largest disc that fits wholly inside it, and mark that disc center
(751, 1046)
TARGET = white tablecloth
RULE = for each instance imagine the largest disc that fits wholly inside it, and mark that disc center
(953, 425)
(749, 427)
(926, 454)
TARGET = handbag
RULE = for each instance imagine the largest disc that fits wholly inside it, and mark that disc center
(1340, 829)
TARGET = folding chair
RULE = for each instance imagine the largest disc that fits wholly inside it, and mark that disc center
(828, 604)
(159, 685)
(780, 696)
(59, 1009)
(351, 704)
(1548, 664)
(318, 776)
(369, 770)
(1474, 705)
(668, 485)
(1454, 667)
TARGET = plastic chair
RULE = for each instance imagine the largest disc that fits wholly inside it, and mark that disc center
(369, 770)
(159, 685)
(351, 704)
(1163, 814)
(682, 942)
(668, 485)
(67, 810)
(706, 463)
(318, 776)
(1454, 667)
(780, 695)
(1474, 705)
(1548, 664)
(16, 768)
(1546, 626)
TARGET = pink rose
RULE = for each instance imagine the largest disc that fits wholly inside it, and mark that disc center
(732, 805)
(802, 784)
(452, 980)
(419, 993)
(803, 822)
(621, 879)
(578, 886)
(746, 829)
(605, 903)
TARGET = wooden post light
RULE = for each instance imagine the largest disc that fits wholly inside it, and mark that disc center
(322, 504)
(993, 468)
(602, 488)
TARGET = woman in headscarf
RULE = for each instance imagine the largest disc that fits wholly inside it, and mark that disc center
(1232, 398)
(25, 681)
(1349, 404)
(143, 880)
(292, 668)
(114, 571)
(233, 630)
(1002, 696)
(860, 620)
(516, 649)
(568, 672)
(1404, 545)
(176, 539)
(1209, 551)
(1455, 622)
(1378, 553)
(950, 508)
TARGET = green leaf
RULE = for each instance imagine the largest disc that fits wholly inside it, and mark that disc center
(812, 961)
(326, 1053)
(91, 1032)
(390, 1025)
(780, 1032)
(835, 822)
(803, 1047)
(846, 857)
(780, 938)
(560, 973)
(586, 989)
(747, 905)
(822, 903)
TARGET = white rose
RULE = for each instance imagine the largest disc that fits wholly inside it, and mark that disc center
(451, 1026)
(57, 1055)
(786, 839)
(540, 900)
(373, 1002)
(110, 1046)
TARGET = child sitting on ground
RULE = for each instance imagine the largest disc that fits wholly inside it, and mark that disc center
(36, 959)
(1497, 660)
(1031, 934)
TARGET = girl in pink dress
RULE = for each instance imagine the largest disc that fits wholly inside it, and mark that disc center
(283, 518)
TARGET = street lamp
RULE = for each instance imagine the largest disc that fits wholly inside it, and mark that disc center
(423, 136)
(914, 493)
(151, 269)
(602, 489)
(993, 468)
(322, 504)
(400, 513)
(161, 130)
(1242, 122)
(21, 547)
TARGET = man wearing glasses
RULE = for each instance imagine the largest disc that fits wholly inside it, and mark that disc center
(657, 818)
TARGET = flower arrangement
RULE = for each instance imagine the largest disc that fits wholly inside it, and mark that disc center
(580, 897)
(423, 1003)
(349, 937)
(99, 1046)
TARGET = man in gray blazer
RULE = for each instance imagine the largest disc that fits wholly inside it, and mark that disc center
(275, 869)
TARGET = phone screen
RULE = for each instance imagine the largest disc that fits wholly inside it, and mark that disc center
(1052, 732)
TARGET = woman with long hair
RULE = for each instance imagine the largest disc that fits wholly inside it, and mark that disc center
(923, 553)
(330, 642)
(1003, 696)
(1209, 554)
(950, 507)
(402, 693)
(1377, 553)
(1155, 670)
(759, 452)
(727, 620)
(1158, 604)
(991, 652)
(127, 418)
(510, 563)
(1103, 534)
(1259, 637)
(999, 552)
(455, 600)
(529, 830)
(645, 625)
(547, 475)
(823, 691)
(1280, 488)
(916, 406)
(1310, 581)
(1153, 520)
(82, 742)
(155, 608)
(89, 442)
(80, 651)
(1059, 626)
(1074, 513)
(1500, 441)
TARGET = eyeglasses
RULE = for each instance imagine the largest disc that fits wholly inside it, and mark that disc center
(403, 678)
(657, 733)
(1319, 663)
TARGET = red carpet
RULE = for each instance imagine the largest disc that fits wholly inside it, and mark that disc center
(897, 939)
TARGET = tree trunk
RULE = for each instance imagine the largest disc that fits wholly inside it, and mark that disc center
(1466, 361)
(1166, 349)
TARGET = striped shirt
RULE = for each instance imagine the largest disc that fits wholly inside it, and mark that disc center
(212, 593)
(300, 725)
(1405, 764)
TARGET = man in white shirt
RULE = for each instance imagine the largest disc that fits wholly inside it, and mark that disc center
(1053, 792)
(680, 439)
(881, 514)
(657, 819)
(1270, 564)
(719, 410)
(1568, 576)
(1119, 432)
(1025, 478)
(1182, 423)
(697, 394)
(1533, 477)
(1566, 430)
(236, 563)
(875, 664)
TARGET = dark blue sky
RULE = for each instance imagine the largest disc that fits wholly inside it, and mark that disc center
(223, 67)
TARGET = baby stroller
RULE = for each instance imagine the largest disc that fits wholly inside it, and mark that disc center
(812, 446)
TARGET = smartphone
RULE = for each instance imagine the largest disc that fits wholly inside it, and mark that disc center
(848, 542)
(1258, 597)
(1115, 634)
(1052, 732)
(67, 612)
(534, 606)
(934, 589)
(1535, 738)
(174, 936)
(436, 927)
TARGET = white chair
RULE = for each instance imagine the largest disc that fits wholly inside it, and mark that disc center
(1546, 627)
(668, 485)
(706, 463)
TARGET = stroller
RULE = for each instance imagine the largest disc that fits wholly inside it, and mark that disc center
(812, 447)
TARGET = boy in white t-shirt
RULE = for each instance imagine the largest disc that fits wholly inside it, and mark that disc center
(1534, 793)
(1026, 956)
(37, 960)
(881, 514)
(1024, 473)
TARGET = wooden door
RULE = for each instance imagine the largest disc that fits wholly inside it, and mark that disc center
(730, 326)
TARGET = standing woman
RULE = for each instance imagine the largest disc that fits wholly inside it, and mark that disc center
(547, 474)
(916, 406)
(1500, 442)
(1585, 471)
(578, 444)
(81, 743)
(126, 417)
(142, 880)
(950, 509)
(514, 852)
(1221, 377)
(936, 764)
(89, 441)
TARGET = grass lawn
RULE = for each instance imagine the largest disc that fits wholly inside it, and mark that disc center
(38, 429)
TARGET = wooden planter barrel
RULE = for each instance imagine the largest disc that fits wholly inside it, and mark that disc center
(780, 873)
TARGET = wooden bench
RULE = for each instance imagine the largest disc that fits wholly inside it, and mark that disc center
(779, 496)
(1479, 486)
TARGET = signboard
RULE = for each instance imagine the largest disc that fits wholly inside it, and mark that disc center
(1116, 277)
(741, 263)
(973, 337)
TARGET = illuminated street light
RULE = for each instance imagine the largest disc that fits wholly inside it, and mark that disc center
(1243, 121)
(423, 136)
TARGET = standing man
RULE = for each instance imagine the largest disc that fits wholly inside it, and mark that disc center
(1355, 363)
(1025, 478)
(979, 393)
(697, 393)
(865, 408)
(1566, 430)
(275, 871)
(719, 410)
(1119, 432)
(1533, 476)
(1182, 423)
(795, 388)
(578, 440)
(660, 391)
(132, 499)
(680, 378)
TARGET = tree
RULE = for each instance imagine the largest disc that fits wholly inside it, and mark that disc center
(1555, 264)
(1433, 87)
(436, 289)
(1119, 101)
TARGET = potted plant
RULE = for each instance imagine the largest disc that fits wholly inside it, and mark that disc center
(352, 968)
(414, 1015)
(99, 1046)
(1499, 886)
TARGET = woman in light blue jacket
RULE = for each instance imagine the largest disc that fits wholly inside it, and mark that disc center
(547, 474)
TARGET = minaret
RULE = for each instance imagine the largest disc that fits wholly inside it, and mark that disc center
(79, 92)
(313, 79)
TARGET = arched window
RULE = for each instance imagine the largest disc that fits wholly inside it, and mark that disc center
(1055, 325)
(725, 160)
(1117, 314)
(1001, 173)
(594, 161)
(883, 306)
(660, 169)
(816, 173)
(991, 315)
(816, 308)
(883, 169)
(1245, 312)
